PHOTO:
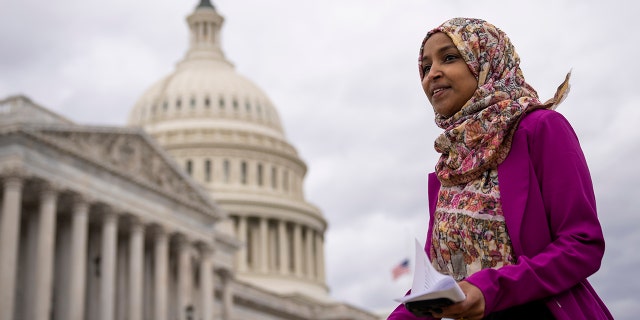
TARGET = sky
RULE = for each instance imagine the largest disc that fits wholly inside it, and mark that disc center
(343, 76)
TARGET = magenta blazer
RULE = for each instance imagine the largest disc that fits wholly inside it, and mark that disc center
(550, 210)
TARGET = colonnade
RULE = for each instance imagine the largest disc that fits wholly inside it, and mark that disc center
(277, 246)
(87, 260)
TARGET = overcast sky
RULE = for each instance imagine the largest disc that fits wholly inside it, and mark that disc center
(344, 78)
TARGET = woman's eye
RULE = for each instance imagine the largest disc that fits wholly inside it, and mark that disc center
(450, 57)
(426, 69)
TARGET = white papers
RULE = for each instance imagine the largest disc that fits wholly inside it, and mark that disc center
(430, 284)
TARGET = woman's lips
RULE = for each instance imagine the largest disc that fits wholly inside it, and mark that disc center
(439, 92)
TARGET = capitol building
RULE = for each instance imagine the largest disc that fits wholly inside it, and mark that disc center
(193, 211)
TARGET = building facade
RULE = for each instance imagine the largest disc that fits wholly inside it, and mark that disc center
(195, 210)
(225, 132)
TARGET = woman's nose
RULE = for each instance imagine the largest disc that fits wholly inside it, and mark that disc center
(434, 72)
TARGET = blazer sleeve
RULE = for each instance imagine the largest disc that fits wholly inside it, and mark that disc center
(560, 187)
(401, 313)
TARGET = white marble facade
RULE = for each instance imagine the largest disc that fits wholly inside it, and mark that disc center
(227, 135)
(100, 223)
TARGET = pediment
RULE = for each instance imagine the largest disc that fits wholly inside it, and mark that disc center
(21, 109)
(130, 153)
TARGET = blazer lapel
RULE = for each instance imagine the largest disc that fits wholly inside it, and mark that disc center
(434, 188)
(513, 179)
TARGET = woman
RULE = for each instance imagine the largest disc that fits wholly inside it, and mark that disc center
(512, 209)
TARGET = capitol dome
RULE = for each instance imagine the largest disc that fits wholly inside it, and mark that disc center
(206, 87)
(226, 133)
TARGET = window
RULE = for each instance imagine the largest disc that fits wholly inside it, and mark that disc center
(235, 104)
(189, 167)
(274, 177)
(207, 170)
(260, 178)
(221, 102)
(226, 167)
(207, 102)
(285, 180)
(193, 103)
(243, 172)
(178, 103)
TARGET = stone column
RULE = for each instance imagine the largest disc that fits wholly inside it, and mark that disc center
(253, 243)
(310, 263)
(283, 247)
(40, 306)
(264, 245)
(160, 275)
(108, 265)
(242, 237)
(206, 281)
(297, 249)
(78, 260)
(9, 232)
(227, 295)
(320, 257)
(136, 263)
(184, 278)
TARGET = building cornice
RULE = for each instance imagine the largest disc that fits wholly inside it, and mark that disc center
(125, 152)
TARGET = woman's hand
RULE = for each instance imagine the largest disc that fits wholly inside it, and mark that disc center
(472, 308)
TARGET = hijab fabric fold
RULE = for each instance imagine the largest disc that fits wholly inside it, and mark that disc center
(478, 137)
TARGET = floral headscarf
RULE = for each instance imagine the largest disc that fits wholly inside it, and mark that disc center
(478, 137)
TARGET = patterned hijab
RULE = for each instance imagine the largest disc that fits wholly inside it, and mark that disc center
(478, 137)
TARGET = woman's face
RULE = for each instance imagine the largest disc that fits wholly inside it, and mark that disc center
(447, 80)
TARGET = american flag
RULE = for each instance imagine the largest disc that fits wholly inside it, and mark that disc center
(400, 269)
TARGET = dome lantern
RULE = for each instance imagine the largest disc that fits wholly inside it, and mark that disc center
(205, 3)
(205, 24)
